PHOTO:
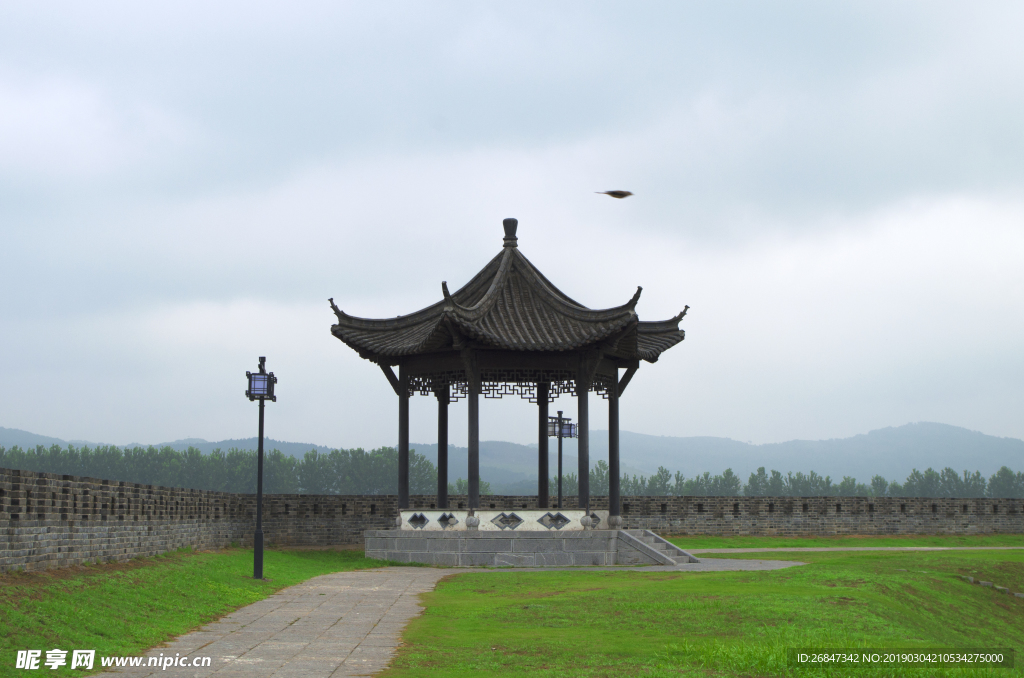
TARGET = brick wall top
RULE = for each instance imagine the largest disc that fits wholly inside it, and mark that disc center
(41, 488)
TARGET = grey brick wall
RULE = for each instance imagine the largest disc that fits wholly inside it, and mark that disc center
(49, 520)
(809, 516)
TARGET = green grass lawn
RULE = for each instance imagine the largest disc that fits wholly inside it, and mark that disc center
(707, 542)
(126, 608)
(717, 623)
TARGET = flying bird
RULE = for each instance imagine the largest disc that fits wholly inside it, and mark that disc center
(615, 194)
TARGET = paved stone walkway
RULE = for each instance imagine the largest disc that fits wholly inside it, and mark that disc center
(340, 624)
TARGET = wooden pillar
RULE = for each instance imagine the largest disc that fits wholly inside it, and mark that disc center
(473, 400)
(559, 430)
(542, 444)
(614, 473)
(474, 386)
(443, 399)
(583, 428)
(403, 439)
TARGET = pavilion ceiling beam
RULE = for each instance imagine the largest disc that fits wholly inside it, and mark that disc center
(610, 346)
(624, 382)
(472, 366)
(392, 378)
(589, 362)
(607, 367)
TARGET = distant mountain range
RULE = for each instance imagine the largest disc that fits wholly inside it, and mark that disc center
(891, 452)
(512, 468)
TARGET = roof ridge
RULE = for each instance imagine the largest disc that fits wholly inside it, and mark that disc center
(567, 305)
(484, 304)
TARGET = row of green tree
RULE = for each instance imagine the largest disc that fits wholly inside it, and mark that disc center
(1004, 483)
(354, 471)
(661, 484)
(358, 471)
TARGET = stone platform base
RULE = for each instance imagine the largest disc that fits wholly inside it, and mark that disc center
(524, 549)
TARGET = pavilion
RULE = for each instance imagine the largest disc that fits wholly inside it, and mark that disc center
(509, 331)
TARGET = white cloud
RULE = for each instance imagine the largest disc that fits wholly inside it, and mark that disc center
(904, 314)
(56, 128)
(836, 193)
(909, 313)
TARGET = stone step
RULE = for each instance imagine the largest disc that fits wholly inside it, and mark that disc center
(657, 543)
(666, 548)
(670, 550)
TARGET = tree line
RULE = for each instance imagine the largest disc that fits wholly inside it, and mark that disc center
(355, 471)
(661, 484)
(358, 471)
(1004, 483)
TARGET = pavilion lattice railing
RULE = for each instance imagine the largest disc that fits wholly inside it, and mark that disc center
(499, 383)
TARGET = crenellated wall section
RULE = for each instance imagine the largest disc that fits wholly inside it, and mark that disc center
(49, 520)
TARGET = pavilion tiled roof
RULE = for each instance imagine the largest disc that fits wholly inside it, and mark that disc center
(509, 305)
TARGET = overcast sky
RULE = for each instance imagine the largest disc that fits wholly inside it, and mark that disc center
(834, 189)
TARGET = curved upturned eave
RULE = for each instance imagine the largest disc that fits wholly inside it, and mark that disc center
(399, 322)
(423, 315)
(407, 341)
(652, 339)
(509, 304)
(655, 337)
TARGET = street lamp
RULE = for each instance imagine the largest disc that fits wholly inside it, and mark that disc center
(261, 387)
(561, 427)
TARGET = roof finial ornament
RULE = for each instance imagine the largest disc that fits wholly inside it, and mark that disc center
(337, 311)
(510, 232)
(636, 297)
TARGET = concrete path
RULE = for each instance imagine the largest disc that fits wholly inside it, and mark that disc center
(342, 624)
(805, 549)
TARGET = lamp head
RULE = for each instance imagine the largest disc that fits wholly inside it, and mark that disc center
(261, 384)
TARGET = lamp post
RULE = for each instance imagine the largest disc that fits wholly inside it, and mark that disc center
(561, 427)
(261, 387)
